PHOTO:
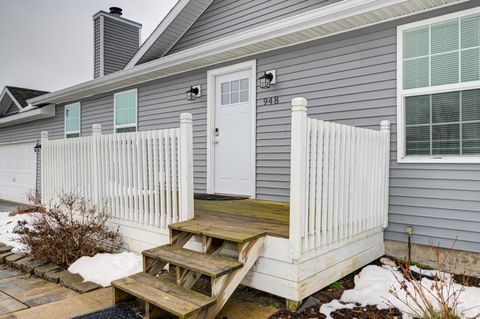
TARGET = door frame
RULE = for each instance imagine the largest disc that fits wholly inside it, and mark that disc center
(211, 108)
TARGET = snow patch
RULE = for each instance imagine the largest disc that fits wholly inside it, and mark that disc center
(102, 269)
(7, 224)
(373, 285)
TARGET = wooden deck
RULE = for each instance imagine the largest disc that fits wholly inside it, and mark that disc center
(249, 217)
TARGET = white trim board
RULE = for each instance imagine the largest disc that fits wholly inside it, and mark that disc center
(211, 97)
(402, 93)
(340, 17)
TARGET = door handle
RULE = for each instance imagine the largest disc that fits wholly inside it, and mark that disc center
(217, 132)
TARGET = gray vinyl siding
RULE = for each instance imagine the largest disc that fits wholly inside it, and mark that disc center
(349, 78)
(121, 41)
(96, 47)
(227, 17)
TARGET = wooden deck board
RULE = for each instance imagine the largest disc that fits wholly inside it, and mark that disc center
(253, 218)
(209, 265)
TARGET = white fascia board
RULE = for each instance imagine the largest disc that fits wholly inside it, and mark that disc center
(27, 116)
(6, 91)
(232, 46)
(172, 14)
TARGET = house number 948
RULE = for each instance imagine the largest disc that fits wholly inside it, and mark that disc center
(271, 100)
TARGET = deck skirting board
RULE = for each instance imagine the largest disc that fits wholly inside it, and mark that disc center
(316, 273)
(324, 278)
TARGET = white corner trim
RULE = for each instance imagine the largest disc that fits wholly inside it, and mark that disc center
(162, 26)
(27, 116)
(102, 46)
(67, 106)
(115, 126)
(6, 91)
(211, 106)
(402, 93)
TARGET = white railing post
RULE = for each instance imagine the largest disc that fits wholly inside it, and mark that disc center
(297, 174)
(96, 132)
(186, 167)
(385, 129)
(43, 175)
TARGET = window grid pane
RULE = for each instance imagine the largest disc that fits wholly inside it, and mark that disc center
(453, 126)
(442, 53)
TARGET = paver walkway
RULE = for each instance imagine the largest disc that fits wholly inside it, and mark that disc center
(19, 291)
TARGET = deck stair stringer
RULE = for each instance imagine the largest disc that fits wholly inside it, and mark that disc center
(178, 298)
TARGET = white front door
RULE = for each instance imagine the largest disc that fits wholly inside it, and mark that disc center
(18, 169)
(233, 131)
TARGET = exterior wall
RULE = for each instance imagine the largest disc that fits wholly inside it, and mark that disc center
(348, 78)
(226, 17)
(120, 42)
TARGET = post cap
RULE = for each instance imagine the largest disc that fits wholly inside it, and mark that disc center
(385, 125)
(185, 118)
(44, 134)
(96, 128)
(299, 101)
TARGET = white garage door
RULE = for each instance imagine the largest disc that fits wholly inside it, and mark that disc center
(17, 171)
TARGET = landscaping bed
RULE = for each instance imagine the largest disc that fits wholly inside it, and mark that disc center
(340, 305)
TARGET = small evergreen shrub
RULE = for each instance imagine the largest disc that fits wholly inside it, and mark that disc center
(72, 228)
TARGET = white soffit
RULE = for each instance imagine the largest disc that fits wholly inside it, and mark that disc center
(333, 19)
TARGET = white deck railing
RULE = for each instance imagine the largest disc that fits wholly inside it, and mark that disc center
(142, 177)
(339, 181)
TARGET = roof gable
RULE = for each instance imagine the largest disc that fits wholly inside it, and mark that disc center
(169, 31)
(21, 95)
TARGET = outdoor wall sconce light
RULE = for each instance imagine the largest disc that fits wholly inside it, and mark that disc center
(37, 147)
(194, 92)
(267, 79)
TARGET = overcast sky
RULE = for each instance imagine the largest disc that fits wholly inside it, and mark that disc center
(48, 44)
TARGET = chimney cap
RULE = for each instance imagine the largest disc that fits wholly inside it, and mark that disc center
(116, 11)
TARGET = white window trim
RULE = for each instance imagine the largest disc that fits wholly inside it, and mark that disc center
(115, 126)
(402, 93)
(67, 106)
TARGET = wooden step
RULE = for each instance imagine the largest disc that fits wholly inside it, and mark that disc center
(232, 233)
(208, 265)
(164, 294)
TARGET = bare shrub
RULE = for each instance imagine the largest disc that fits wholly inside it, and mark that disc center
(434, 298)
(69, 230)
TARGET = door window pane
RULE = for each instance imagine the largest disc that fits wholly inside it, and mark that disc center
(236, 91)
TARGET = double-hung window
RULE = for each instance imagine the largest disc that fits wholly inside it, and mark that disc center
(439, 89)
(125, 104)
(72, 120)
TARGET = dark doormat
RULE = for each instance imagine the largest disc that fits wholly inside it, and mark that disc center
(120, 311)
(218, 197)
